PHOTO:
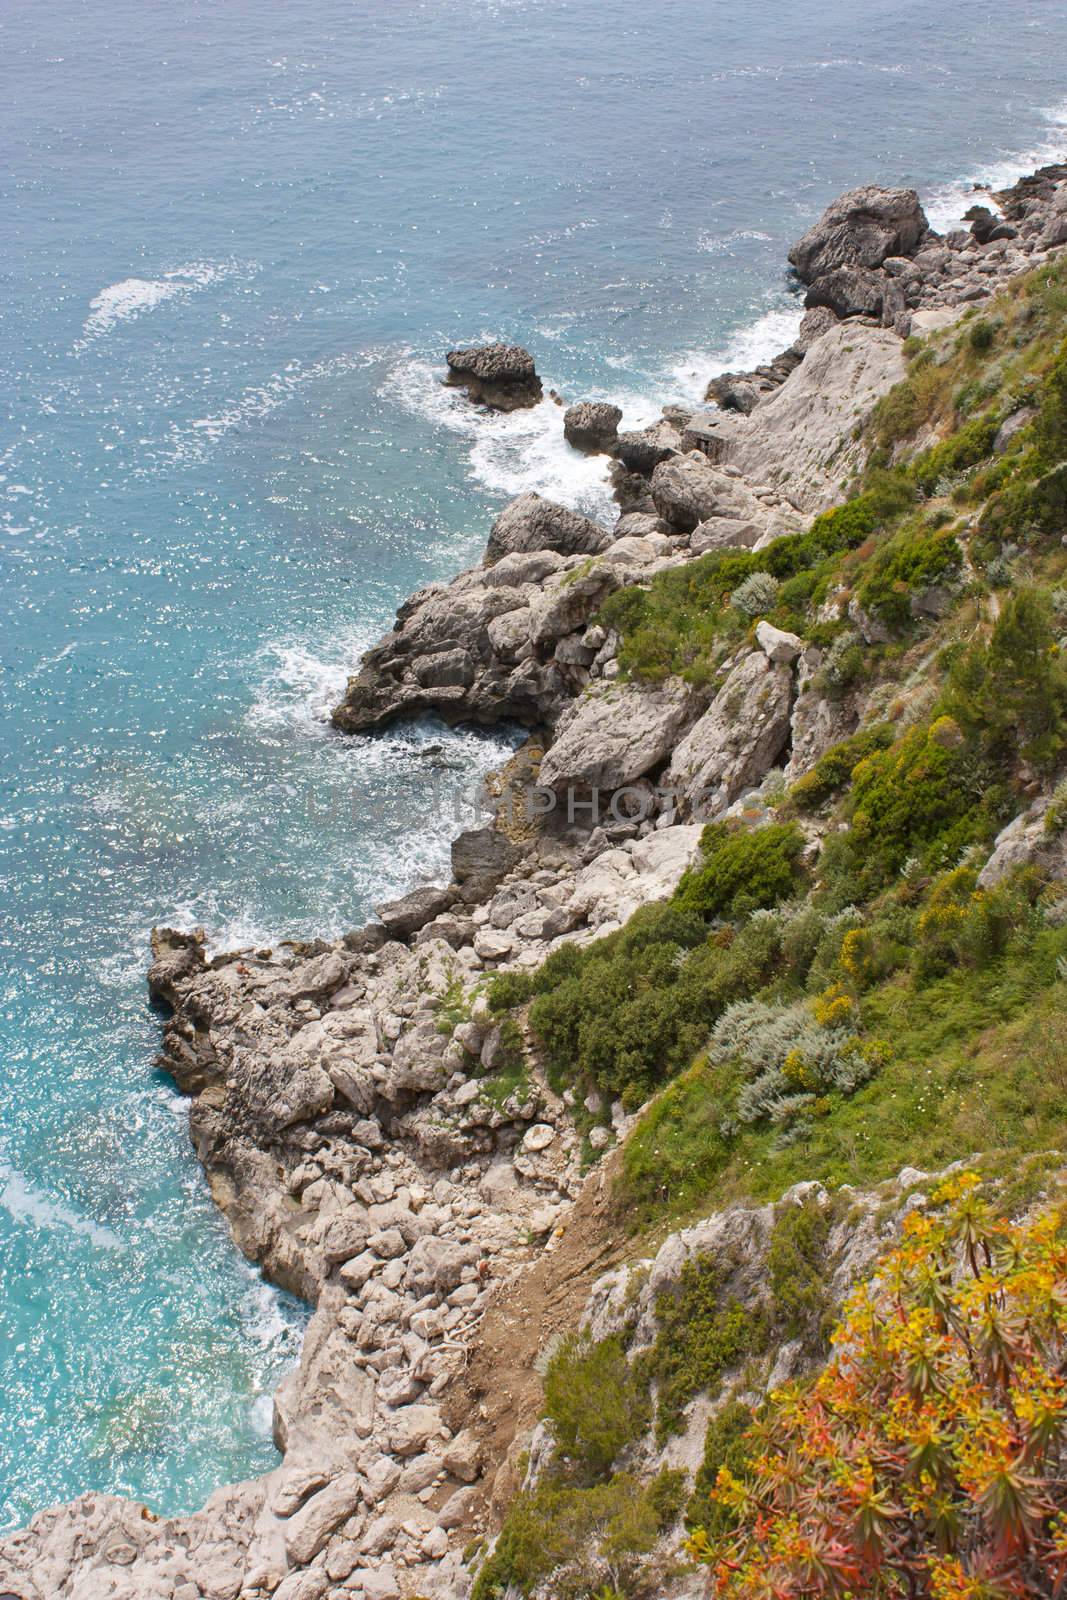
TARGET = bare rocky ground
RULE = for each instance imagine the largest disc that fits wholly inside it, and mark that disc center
(362, 1122)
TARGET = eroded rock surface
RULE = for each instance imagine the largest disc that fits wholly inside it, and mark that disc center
(501, 376)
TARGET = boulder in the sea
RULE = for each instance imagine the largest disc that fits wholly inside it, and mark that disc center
(860, 229)
(533, 523)
(501, 376)
(591, 426)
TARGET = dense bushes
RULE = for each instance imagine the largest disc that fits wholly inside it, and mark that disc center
(790, 1059)
(593, 1404)
(558, 1523)
(908, 563)
(833, 770)
(701, 1333)
(1010, 696)
(675, 624)
(963, 449)
(917, 798)
(742, 870)
(634, 1008)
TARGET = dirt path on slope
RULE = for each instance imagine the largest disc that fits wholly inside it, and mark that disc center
(502, 1392)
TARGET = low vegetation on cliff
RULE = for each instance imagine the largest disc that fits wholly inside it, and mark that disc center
(843, 976)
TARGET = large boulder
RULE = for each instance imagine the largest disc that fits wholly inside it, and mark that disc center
(502, 376)
(480, 858)
(531, 523)
(413, 911)
(738, 739)
(861, 229)
(848, 292)
(1027, 841)
(591, 426)
(689, 490)
(614, 735)
(643, 449)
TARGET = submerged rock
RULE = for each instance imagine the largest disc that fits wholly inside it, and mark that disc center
(501, 376)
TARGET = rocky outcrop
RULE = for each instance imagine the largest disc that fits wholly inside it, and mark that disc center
(1030, 840)
(690, 492)
(501, 376)
(592, 426)
(802, 440)
(531, 523)
(861, 229)
(743, 733)
(615, 735)
(510, 640)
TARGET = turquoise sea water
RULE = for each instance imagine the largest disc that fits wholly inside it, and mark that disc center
(237, 241)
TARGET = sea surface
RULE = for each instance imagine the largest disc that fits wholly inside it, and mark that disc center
(237, 240)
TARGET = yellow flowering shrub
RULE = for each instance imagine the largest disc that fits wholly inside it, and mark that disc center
(929, 1460)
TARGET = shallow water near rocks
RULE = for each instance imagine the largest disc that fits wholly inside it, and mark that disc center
(239, 241)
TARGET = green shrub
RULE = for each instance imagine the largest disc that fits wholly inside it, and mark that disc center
(917, 798)
(701, 1333)
(1011, 696)
(1050, 428)
(962, 925)
(742, 870)
(508, 990)
(633, 1009)
(959, 452)
(833, 770)
(796, 1263)
(676, 624)
(559, 1522)
(726, 1444)
(981, 335)
(594, 1404)
(908, 563)
(757, 595)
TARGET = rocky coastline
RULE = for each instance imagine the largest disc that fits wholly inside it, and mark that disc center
(338, 1093)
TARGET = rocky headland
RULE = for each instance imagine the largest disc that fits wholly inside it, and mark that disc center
(381, 1142)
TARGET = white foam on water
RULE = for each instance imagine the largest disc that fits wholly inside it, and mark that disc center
(133, 297)
(717, 245)
(756, 342)
(27, 1204)
(192, 441)
(300, 684)
(945, 206)
(512, 452)
(120, 302)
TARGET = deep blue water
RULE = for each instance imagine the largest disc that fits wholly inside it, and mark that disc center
(237, 240)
